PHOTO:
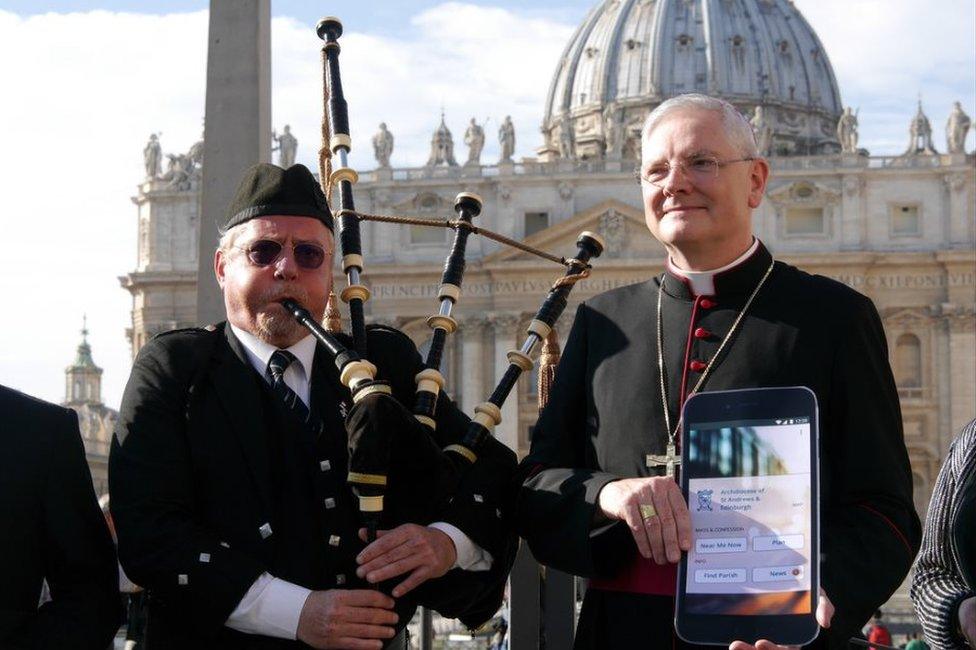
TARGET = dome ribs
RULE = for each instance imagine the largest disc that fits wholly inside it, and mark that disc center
(629, 55)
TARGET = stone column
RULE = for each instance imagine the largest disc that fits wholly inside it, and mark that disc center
(962, 363)
(942, 386)
(238, 124)
(853, 230)
(504, 326)
(472, 390)
(959, 222)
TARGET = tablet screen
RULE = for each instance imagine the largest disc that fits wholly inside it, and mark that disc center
(749, 493)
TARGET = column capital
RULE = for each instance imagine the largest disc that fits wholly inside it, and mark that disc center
(960, 319)
(853, 184)
(955, 181)
(473, 324)
(504, 322)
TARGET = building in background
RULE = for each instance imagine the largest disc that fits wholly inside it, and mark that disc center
(83, 394)
(899, 229)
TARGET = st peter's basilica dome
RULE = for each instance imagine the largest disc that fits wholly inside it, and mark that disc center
(630, 55)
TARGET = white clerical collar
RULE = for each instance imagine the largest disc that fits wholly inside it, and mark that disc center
(703, 282)
(259, 352)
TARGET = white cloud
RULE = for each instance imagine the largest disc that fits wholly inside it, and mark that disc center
(84, 90)
(90, 87)
(502, 68)
(886, 52)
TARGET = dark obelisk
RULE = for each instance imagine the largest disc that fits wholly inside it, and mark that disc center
(237, 130)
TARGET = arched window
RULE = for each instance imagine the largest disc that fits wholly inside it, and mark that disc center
(908, 361)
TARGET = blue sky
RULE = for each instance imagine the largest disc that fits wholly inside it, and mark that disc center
(92, 80)
(383, 16)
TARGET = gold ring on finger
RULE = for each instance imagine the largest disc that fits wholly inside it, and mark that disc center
(647, 511)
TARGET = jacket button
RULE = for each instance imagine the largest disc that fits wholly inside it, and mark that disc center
(706, 303)
(702, 333)
(697, 366)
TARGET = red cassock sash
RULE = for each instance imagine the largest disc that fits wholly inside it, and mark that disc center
(641, 576)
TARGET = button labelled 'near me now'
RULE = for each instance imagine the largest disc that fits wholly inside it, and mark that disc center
(721, 545)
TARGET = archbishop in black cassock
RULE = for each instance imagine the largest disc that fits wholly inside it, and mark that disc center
(604, 416)
(605, 412)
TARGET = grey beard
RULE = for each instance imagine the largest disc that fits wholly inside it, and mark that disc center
(279, 326)
(273, 328)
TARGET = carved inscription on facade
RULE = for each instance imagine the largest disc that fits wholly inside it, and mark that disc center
(905, 280)
(388, 290)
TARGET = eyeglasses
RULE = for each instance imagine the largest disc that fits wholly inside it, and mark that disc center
(267, 251)
(700, 169)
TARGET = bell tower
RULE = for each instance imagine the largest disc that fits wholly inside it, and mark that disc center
(83, 379)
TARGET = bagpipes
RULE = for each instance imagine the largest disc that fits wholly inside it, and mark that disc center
(379, 428)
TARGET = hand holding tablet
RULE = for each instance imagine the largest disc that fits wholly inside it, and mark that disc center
(825, 613)
(749, 472)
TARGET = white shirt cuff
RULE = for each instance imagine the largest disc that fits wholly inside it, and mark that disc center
(271, 607)
(470, 556)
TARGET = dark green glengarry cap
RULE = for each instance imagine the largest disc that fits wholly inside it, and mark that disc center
(268, 190)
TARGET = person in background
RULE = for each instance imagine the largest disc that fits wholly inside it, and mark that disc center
(52, 530)
(878, 633)
(915, 642)
(944, 583)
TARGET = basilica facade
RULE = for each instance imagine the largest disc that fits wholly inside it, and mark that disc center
(900, 228)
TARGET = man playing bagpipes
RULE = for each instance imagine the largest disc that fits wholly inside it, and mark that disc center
(229, 465)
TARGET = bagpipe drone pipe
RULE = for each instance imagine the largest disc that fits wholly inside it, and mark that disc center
(397, 469)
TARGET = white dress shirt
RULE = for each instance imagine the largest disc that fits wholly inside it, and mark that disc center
(703, 282)
(272, 606)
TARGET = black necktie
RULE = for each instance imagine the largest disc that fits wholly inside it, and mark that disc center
(279, 362)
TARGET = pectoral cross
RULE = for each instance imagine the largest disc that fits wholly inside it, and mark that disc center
(668, 461)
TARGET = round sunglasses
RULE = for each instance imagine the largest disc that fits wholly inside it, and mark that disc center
(267, 251)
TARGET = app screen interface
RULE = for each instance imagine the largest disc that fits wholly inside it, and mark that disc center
(749, 497)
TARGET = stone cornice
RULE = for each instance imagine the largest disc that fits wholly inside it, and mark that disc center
(137, 279)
